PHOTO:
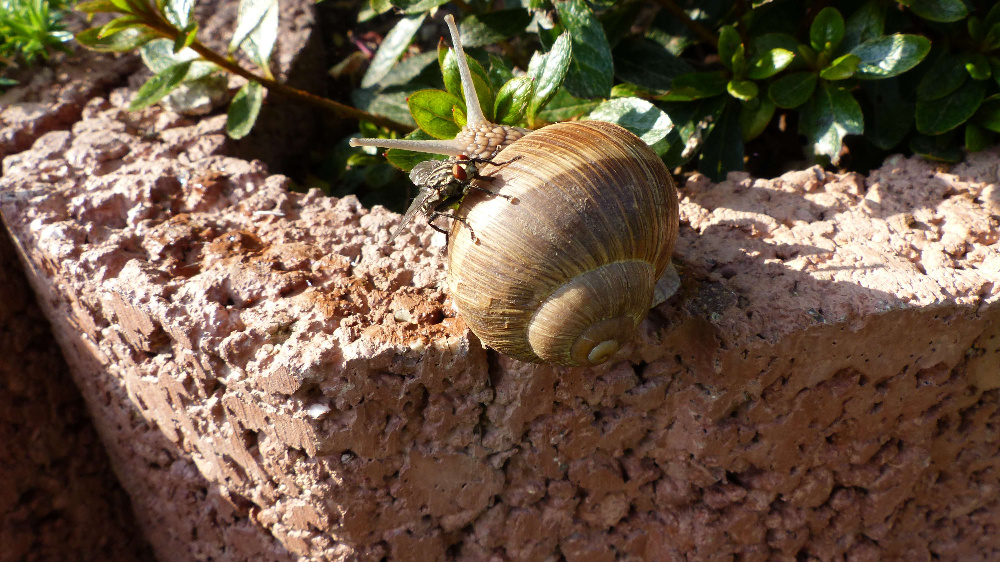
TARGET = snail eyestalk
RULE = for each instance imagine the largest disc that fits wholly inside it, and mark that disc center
(474, 117)
(478, 139)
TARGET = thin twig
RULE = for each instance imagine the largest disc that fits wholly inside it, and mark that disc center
(339, 109)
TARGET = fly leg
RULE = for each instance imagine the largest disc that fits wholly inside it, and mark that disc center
(436, 214)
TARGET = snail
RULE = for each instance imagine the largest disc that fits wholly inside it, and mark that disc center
(562, 268)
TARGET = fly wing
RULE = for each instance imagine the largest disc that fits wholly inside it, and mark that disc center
(428, 172)
(412, 211)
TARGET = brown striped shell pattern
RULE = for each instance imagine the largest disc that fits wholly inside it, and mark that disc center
(565, 270)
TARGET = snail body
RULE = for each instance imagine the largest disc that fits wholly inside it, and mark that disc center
(563, 267)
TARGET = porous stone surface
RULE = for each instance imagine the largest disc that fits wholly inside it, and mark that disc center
(58, 497)
(824, 385)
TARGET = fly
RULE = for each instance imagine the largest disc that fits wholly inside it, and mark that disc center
(443, 184)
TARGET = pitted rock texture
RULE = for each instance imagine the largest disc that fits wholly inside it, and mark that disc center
(58, 497)
(824, 385)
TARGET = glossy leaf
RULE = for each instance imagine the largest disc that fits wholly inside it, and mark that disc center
(639, 116)
(754, 117)
(480, 79)
(417, 6)
(123, 41)
(159, 55)
(722, 151)
(696, 85)
(407, 70)
(867, 23)
(406, 159)
(186, 37)
(942, 148)
(977, 138)
(729, 41)
(945, 75)
(827, 30)
(395, 42)
(988, 115)
(244, 109)
(890, 117)
(830, 115)
(178, 12)
(431, 109)
(937, 10)
(119, 24)
(548, 72)
(842, 68)
(742, 89)
(159, 85)
(890, 56)
(647, 64)
(563, 107)
(489, 28)
(978, 66)
(792, 90)
(499, 72)
(938, 116)
(512, 100)
(768, 63)
(96, 6)
(591, 69)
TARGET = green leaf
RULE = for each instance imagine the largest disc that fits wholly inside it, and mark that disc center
(459, 115)
(159, 85)
(407, 70)
(768, 63)
(988, 115)
(842, 68)
(563, 107)
(647, 64)
(499, 72)
(591, 69)
(259, 44)
(178, 12)
(937, 10)
(729, 41)
(978, 66)
(395, 42)
(937, 116)
(723, 149)
(512, 100)
(639, 116)
(992, 17)
(977, 138)
(890, 56)
(975, 28)
(480, 79)
(830, 115)
(431, 109)
(742, 89)
(123, 41)
(944, 76)
(740, 62)
(416, 6)
(389, 102)
(186, 37)
(793, 89)
(548, 72)
(693, 123)
(890, 117)
(486, 29)
(867, 23)
(754, 117)
(696, 85)
(827, 30)
(991, 41)
(406, 159)
(96, 6)
(244, 109)
(159, 55)
(995, 68)
(942, 148)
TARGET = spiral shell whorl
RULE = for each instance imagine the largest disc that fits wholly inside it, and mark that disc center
(566, 273)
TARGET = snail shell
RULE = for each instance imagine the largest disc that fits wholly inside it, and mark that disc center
(566, 273)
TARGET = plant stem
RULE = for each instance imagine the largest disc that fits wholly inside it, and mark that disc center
(167, 30)
(301, 95)
(698, 29)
